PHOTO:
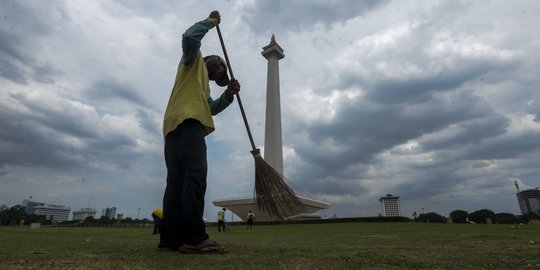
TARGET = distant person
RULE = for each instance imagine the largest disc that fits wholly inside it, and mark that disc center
(157, 216)
(415, 217)
(250, 219)
(221, 219)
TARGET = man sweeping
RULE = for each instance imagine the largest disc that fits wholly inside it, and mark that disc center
(187, 120)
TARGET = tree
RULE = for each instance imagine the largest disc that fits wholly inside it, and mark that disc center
(506, 218)
(89, 220)
(127, 220)
(480, 216)
(459, 216)
(13, 216)
(431, 217)
(104, 221)
(34, 219)
(528, 217)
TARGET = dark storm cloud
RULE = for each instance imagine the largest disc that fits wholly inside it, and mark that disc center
(61, 117)
(112, 91)
(535, 110)
(45, 73)
(333, 186)
(147, 122)
(22, 26)
(156, 8)
(362, 129)
(294, 15)
(26, 144)
(430, 181)
(469, 132)
(12, 56)
(410, 75)
(505, 147)
(11, 71)
(42, 135)
(418, 90)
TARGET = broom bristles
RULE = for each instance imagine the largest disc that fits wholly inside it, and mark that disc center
(273, 195)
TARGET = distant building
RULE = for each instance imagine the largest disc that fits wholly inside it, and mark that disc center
(390, 206)
(30, 206)
(56, 212)
(529, 201)
(110, 213)
(84, 213)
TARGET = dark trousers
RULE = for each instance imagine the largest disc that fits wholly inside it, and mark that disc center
(157, 224)
(220, 224)
(183, 201)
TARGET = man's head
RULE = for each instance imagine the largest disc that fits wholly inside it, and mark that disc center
(224, 209)
(217, 69)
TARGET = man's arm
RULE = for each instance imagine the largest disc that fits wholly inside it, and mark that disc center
(191, 39)
(216, 106)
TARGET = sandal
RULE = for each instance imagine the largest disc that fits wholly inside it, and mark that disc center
(205, 247)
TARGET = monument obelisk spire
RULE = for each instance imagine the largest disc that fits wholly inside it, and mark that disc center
(273, 153)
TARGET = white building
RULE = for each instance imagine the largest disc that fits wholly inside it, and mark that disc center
(390, 206)
(57, 212)
(110, 213)
(84, 213)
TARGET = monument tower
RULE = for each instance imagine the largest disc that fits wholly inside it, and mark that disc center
(273, 147)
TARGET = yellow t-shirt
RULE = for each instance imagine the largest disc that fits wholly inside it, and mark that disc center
(189, 97)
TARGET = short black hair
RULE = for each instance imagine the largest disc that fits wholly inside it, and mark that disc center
(213, 62)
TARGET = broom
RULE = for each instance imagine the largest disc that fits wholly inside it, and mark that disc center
(272, 194)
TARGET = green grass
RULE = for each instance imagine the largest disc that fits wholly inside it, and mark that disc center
(296, 246)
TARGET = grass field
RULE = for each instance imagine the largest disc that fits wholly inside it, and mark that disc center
(296, 246)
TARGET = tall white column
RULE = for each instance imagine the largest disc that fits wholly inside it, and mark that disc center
(273, 153)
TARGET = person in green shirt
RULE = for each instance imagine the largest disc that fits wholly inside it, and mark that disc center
(221, 220)
(250, 219)
(187, 121)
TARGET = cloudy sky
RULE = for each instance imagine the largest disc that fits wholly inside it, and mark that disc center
(433, 101)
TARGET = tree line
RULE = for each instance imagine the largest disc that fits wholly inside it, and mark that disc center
(17, 215)
(481, 216)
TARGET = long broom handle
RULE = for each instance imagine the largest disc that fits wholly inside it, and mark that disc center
(237, 94)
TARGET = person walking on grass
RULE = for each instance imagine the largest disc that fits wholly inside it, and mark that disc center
(221, 220)
(157, 216)
(250, 219)
(187, 121)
